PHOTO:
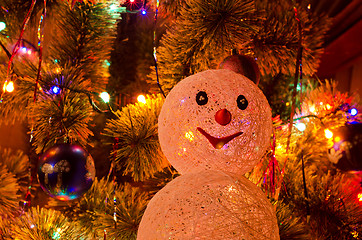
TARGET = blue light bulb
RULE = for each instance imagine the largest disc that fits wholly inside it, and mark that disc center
(353, 112)
(55, 89)
(144, 12)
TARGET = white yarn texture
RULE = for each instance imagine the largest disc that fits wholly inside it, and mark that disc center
(211, 199)
(188, 150)
(209, 205)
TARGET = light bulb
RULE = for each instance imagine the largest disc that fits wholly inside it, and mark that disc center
(353, 112)
(8, 86)
(55, 89)
(300, 126)
(141, 99)
(113, 7)
(2, 26)
(105, 97)
(328, 133)
(312, 109)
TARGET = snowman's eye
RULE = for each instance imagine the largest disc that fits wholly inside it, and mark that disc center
(242, 102)
(201, 98)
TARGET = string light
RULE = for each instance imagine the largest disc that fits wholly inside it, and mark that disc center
(57, 234)
(105, 97)
(17, 44)
(2, 26)
(328, 133)
(143, 12)
(300, 126)
(8, 86)
(141, 99)
(359, 196)
(55, 89)
(113, 7)
(312, 109)
(353, 112)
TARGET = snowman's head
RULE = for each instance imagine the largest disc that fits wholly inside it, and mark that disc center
(217, 120)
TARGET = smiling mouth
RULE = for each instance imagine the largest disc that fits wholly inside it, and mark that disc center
(218, 143)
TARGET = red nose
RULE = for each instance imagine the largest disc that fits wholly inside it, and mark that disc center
(223, 117)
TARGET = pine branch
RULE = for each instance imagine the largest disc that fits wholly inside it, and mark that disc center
(85, 38)
(9, 196)
(44, 224)
(17, 163)
(61, 119)
(14, 105)
(130, 206)
(332, 205)
(291, 227)
(276, 44)
(13, 181)
(203, 33)
(94, 212)
(83, 211)
(134, 129)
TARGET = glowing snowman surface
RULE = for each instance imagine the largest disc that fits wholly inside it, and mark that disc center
(213, 127)
(216, 119)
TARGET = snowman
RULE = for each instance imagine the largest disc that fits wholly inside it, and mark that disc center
(213, 127)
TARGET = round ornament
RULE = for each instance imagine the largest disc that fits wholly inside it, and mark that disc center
(66, 171)
(242, 64)
(209, 205)
(346, 152)
(215, 120)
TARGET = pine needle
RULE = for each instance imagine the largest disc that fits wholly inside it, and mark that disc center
(44, 224)
(135, 135)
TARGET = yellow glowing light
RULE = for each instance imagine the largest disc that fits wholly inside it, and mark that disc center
(337, 139)
(312, 109)
(328, 133)
(328, 107)
(8, 86)
(105, 97)
(141, 98)
(301, 126)
(2, 26)
(359, 197)
(287, 104)
(189, 135)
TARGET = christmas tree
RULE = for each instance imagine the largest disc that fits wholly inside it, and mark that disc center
(58, 57)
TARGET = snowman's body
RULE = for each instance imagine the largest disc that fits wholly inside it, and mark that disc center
(214, 127)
